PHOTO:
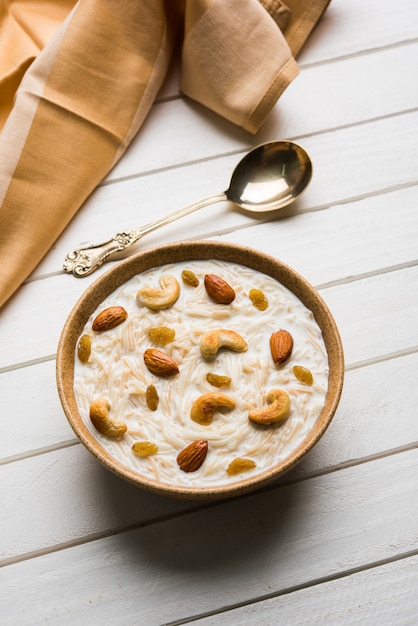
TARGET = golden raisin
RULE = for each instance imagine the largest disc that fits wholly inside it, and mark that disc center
(259, 299)
(303, 374)
(161, 335)
(84, 348)
(218, 381)
(239, 465)
(144, 448)
(152, 398)
(190, 278)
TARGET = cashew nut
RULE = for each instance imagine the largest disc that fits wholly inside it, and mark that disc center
(212, 341)
(157, 299)
(278, 408)
(204, 407)
(99, 415)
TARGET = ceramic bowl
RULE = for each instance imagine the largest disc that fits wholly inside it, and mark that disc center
(91, 300)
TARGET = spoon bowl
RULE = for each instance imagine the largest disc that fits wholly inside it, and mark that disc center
(269, 177)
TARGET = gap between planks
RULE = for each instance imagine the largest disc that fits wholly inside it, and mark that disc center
(245, 149)
(338, 282)
(281, 483)
(308, 585)
(347, 566)
(313, 209)
(359, 53)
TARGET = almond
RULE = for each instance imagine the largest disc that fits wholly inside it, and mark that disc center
(109, 318)
(218, 289)
(160, 363)
(192, 456)
(281, 346)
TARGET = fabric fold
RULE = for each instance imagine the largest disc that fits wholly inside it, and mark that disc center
(243, 84)
(73, 112)
(94, 79)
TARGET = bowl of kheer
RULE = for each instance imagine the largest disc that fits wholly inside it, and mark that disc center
(200, 369)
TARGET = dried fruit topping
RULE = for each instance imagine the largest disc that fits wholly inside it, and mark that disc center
(204, 407)
(218, 381)
(214, 340)
(162, 335)
(152, 398)
(144, 448)
(192, 456)
(101, 420)
(259, 299)
(84, 348)
(281, 346)
(109, 318)
(160, 363)
(240, 465)
(278, 409)
(218, 289)
(190, 278)
(156, 299)
(303, 374)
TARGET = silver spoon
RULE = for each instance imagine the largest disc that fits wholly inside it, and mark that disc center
(269, 177)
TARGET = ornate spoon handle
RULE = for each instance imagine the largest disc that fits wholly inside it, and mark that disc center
(86, 259)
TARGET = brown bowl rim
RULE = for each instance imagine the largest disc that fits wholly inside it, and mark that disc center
(188, 251)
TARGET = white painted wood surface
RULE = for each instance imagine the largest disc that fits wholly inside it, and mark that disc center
(335, 541)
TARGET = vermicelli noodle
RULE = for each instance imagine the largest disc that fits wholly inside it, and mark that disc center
(116, 371)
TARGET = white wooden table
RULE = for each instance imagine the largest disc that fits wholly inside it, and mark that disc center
(336, 540)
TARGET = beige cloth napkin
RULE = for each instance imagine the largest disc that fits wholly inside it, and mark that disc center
(77, 80)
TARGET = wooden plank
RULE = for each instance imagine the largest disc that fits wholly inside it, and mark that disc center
(361, 168)
(33, 418)
(387, 302)
(88, 500)
(354, 162)
(233, 553)
(69, 497)
(359, 238)
(349, 600)
(354, 27)
(376, 414)
(333, 102)
(336, 93)
(43, 319)
(376, 316)
(346, 28)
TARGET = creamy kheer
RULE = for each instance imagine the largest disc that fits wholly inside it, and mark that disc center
(116, 371)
